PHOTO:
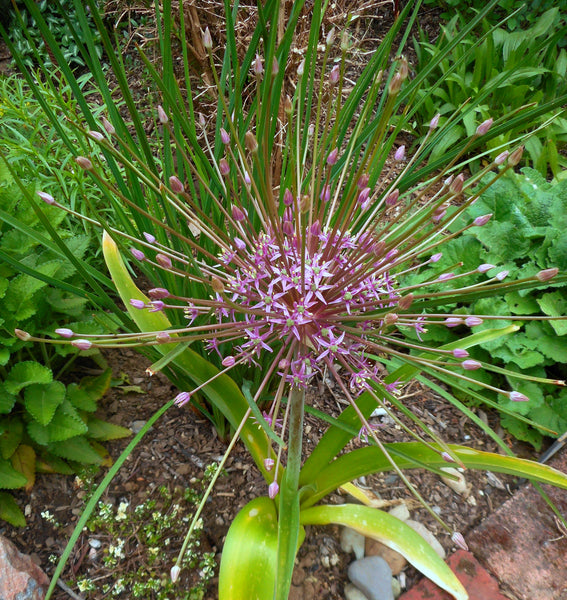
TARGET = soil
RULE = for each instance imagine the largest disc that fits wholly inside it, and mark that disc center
(176, 451)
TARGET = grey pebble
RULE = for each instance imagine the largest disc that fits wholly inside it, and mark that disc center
(373, 576)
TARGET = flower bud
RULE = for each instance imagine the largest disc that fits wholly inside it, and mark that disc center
(390, 318)
(157, 306)
(392, 197)
(287, 197)
(174, 573)
(403, 70)
(273, 489)
(228, 361)
(516, 156)
(163, 337)
(453, 321)
(345, 40)
(471, 365)
(364, 195)
(24, 335)
(460, 353)
(149, 238)
(269, 464)
(84, 163)
(182, 398)
(224, 167)
(482, 220)
(240, 244)
(163, 118)
(176, 185)
(473, 321)
(485, 267)
(225, 138)
(330, 37)
(436, 257)
(163, 261)
(501, 158)
(447, 457)
(457, 184)
(237, 214)
(108, 126)
(158, 293)
(139, 304)
(335, 75)
(400, 153)
(207, 40)
(547, 274)
(217, 285)
(502, 275)
(137, 254)
(96, 135)
(315, 229)
(445, 276)
(333, 157)
(47, 198)
(405, 302)
(82, 344)
(251, 142)
(301, 68)
(484, 127)
(288, 106)
(518, 397)
(395, 85)
(325, 195)
(257, 66)
(459, 541)
(434, 122)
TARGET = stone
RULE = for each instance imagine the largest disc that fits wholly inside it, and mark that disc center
(353, 593)
(427, 536)
(352, 541)
(400, 511)
(394, 559)
(459, 484)
(20, 577)
(373, 577)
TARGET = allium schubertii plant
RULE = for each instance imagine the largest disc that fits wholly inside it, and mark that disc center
(280, 241)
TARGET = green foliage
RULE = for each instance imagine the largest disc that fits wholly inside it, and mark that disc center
(496, 75)
(48, 427)
(59, 16)
(527, 233)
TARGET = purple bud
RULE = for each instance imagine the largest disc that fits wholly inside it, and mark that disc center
(247, 180)
(163, 337)
(176, 185)
(516, 156)
(315, 229)
(459, 541)
(330, 37)
(287, 228)
(65, 332)
(518, 397)
(47, 198)
(158, 293)
(445, 276)
(453, 321)
(225, 138)
(363, 196)
(400, 153)
(484, 127)
(334, 75)
(501, 158)
(502, 275)
(96, 135)
(448, 181)
(228, 361)
(224, 167)
(137, 254)
(157, 306)
(237, 214)
(108, 126)
(257, 66)
(325, 193)
(547, 274)
(273, 489)
(149, 237)
(82, 344)
(472, 321)
(240, 244)
(182, 398)
(485, 267)
(163, 118)
(460, 353)
(139, 304)
(301, 68)
(457, 184)
(84, 163)
(163, 261)
(287, 198)
(24, 335)
(392, 197)
(333, 157)
(283, 364)
(436, 257)
(207, 39)
(269, 464)
(447, 457)
(471, 365)
(434, 122)
(363, 181)
(482, 220)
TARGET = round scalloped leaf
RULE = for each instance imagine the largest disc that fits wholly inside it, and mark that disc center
(23, 460)
(26, 373)
(76, 449)
(42, 400)
(11, 438)
(80, 399)
(7, 401)
(10, 479)
(10, 511)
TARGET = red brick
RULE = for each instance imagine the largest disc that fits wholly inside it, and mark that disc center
(479, 584)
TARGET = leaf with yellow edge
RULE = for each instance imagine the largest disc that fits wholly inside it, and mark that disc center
(393, 533)
(23, 460)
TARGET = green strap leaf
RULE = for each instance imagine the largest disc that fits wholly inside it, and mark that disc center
(393, 533)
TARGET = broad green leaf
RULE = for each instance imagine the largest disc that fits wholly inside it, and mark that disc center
(53, 464)
(378, 525)
(248, 562)
(10, 511)
(25, 373)
(7, 401)
(23, 460)
(104, 431)
(554, 304)
(80, 398)
(97, 386)
(76, 449)
(42, 400)
(11, 436)
(10, 478)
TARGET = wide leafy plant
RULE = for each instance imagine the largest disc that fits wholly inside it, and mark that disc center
(277, 235)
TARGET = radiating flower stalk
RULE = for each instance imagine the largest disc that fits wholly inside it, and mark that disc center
(306, 274)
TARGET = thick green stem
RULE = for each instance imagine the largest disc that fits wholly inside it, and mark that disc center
(288, 522)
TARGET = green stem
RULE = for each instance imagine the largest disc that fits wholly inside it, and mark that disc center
(288, 522)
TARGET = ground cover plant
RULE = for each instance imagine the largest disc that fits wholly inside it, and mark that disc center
(498, 75)
(279, 235)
